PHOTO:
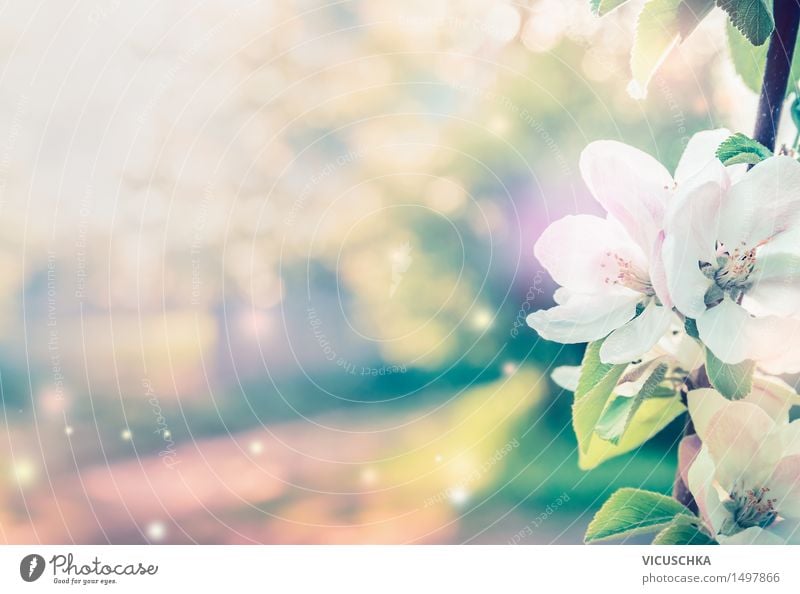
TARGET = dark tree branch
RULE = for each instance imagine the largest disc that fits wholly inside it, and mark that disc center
(776, 71)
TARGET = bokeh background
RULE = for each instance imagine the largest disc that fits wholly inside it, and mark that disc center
(265, 265)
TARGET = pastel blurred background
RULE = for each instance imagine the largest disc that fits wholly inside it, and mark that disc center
(266, 264)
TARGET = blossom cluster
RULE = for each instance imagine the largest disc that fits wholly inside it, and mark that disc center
(705, 263)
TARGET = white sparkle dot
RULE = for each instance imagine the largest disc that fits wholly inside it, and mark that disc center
(24, 472)
(68, 430)
(167, 433)
(482, 319)
(458, 495)
(369, 476)
(126, 434)
(156, 531)
(438, 458)
(498, 125)
(636, 91)
(509, 368)
(256, 447)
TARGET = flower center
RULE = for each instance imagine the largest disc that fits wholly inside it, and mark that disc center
(749, 508)
(628, 275)
(730, 273)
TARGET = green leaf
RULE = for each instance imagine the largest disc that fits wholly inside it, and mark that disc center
(748, 60)
(741, 149)
(619, 411)
(690, 326)
(633, 511)
(587, 408)
(603, 7)
(593, 370)
(684, 530)
(595, 388)
(651, 417)
(732, 381)
(794, 110)
(664, 392)
(752, 17)
(661, 26)
(616, 417)
(595, 385)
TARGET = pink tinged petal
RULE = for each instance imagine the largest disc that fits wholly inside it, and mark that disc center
(658, 273)
(630, 184)
(638, 336)
(738, 439)
(700, 480)
(733, 335)
(585, 253)
(691, 229)
(699, 161)
(584, 318)
(774, 396)
(784, 486)
(787, 359)
(688, 450)
(704, 404)
(787, 242)
(765, 202)
(752, 536)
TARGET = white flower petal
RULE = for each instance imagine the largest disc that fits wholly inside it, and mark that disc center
(638, 336)
(774, 298)
(630, 184)
(690, 227)
(733, 335)
(775, 279)
(561, 295)
(765, 202)
(699, 161)
(680, 347)
(787, 530)
(583, 318)
(567, 376)
(752, 536)
(583, 253)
